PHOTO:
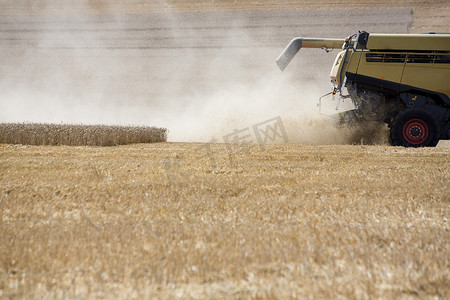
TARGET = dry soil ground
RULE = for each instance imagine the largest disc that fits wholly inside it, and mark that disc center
(177, 220)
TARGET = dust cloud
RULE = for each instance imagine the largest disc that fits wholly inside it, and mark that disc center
(199, 75)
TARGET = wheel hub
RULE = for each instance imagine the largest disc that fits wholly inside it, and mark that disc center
(415, 131)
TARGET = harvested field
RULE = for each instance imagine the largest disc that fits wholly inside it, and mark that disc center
(170, 221)
(79, 135)
(431, 15)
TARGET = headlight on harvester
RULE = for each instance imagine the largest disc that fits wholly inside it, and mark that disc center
(334, 74)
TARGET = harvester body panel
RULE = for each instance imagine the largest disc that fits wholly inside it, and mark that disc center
(391, 71)
(428, 74)
(426, 71)
(413, 42)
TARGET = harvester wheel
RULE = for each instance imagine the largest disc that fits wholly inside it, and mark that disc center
(415, 128)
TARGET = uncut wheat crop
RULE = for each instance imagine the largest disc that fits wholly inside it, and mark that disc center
(79, 135)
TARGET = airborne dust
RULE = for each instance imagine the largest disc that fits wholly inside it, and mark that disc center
(201, 75)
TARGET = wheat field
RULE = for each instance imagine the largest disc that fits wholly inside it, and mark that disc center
(195, 221)
(79, 135)
(218, 221)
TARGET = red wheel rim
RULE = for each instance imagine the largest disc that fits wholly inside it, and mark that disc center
(415, 131)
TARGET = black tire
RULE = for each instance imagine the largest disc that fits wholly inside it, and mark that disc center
(415, 128)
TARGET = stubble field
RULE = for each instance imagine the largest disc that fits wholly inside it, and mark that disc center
(173, 220)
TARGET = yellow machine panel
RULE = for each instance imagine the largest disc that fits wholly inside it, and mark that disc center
(428, 75)
(416, 42)
(385, 70)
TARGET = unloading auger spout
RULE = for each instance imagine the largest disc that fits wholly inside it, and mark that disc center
(296, 44)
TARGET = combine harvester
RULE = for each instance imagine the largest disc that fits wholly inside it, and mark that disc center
(400, 79)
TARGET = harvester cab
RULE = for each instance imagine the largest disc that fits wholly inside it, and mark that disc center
(400, 79)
